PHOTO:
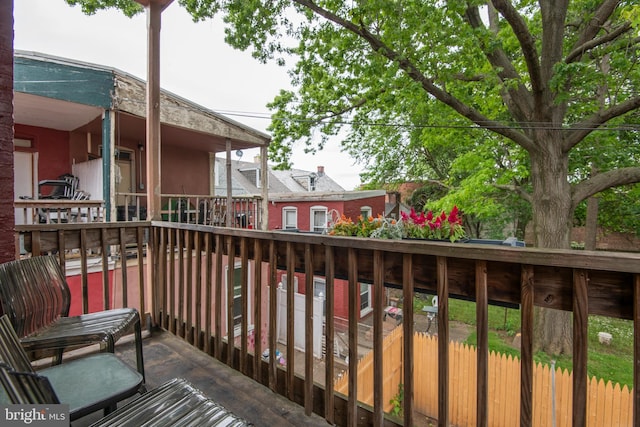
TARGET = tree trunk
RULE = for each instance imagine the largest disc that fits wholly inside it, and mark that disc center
(552, 219)
(7, 220)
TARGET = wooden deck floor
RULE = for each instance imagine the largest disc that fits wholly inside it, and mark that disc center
(167, 356)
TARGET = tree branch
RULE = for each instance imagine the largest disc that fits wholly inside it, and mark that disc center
(603, 181)
(414, 73)
(601, 15)
(527, 43)
(580, 130)
(518, 190)
(517, 99)
(580, 50)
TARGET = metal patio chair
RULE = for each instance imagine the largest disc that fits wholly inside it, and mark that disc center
(35, 295)
(88, 384)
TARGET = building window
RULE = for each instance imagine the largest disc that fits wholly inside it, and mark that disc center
(312, 181)
(19, 142)
(365, 299)
(252, 174)
(366, 212)
(318, 219)
(289, 218)
(237, 298)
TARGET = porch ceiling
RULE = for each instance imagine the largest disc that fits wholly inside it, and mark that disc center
(51, 113)
(68, 116)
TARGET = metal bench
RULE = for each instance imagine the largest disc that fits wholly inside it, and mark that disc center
(35, 295)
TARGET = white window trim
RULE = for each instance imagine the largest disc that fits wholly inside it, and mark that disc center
(369, 308)
(237, 330)
(284, 217)
(312, 211)
(367, 209)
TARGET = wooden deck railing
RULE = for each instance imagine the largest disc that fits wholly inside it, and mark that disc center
(58, 210)
(244, 211)
(191, 299)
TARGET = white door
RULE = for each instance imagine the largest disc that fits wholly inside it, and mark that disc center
(24, 183)
(299, 321)
(124, 181)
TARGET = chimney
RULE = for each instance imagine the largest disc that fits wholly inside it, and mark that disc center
(320, 170)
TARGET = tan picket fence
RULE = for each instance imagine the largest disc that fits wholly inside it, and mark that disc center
(607, 405)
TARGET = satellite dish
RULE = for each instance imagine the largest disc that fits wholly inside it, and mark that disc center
(239, 154)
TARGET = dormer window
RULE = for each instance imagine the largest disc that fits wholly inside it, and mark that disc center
(252, 174)
(312, 181)
(307, 181)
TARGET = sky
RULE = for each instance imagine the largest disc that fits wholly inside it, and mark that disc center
(195, 63)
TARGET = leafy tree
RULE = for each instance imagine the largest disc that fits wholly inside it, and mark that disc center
(546, 78)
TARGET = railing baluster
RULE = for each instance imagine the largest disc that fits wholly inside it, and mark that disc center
(123, 265)
(62, 251)
(378, 336)
(273, 306)
(352, 270)
(218, 296)
(188, 243)
(198, 288)
(290, 319)
(104, 252)
(244, 292)
(257, 304)
(36, 244)
(526, 354)
(173, 308)
(163, 295)
(482, 331)
(153, 274)
(181, 322)
(329, 400)
(580, 343)
(308, 339)
(443, 341)
(83, 270)
(207, 293)
(231, 251)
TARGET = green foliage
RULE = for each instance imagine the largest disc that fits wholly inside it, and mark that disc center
(397, 400)
(90, 7)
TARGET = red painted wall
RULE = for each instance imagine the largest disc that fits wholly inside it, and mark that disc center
(352, 207)
(349, 208)
(184, 171)
(53, 148)
(94, 284)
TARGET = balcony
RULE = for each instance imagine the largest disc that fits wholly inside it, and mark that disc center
(242, 212)
(178, 274)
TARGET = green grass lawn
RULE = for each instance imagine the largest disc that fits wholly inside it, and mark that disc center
(608, 362)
